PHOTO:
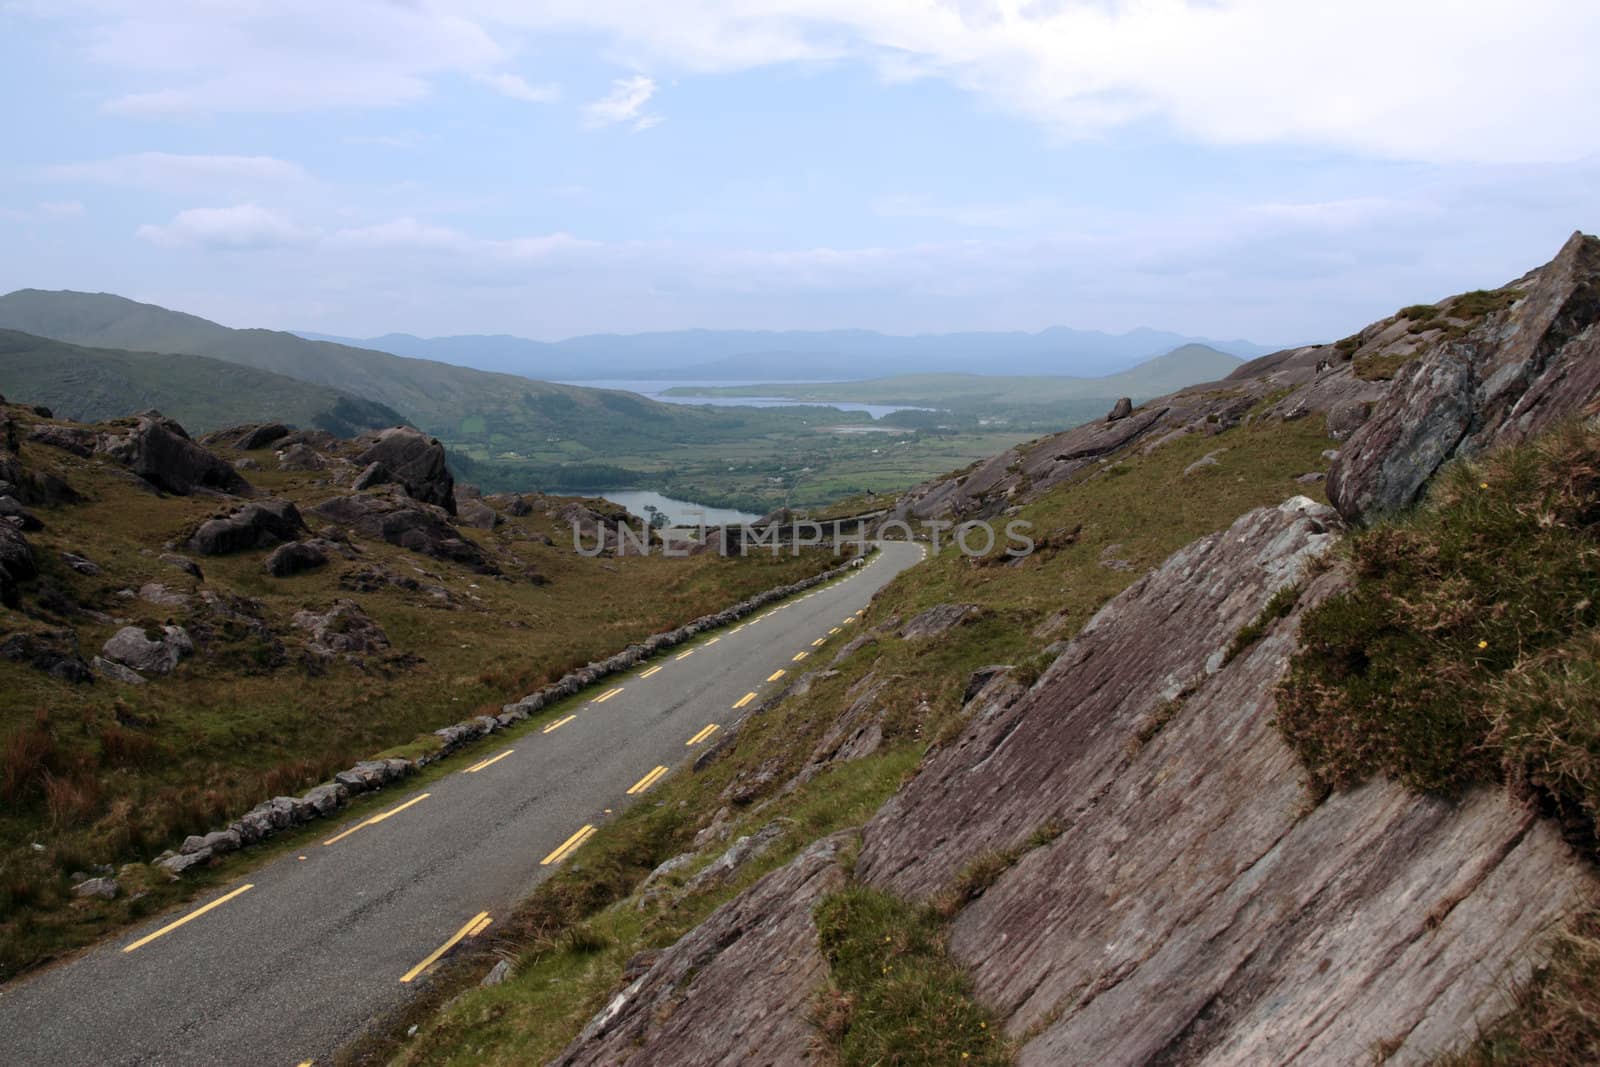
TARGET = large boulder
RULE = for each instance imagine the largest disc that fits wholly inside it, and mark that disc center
(296, 557)
(133, 647)
(262, 436)
(1487, 369)
(391, 516)
(414, 460)
(262, 524)
(17, 564)
(158, 450)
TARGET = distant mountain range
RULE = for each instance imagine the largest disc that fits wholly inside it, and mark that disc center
(796, 355)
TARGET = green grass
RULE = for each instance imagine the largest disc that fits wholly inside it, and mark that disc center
(897, 997)
(1382, 368)
(1280, 605)
(1466, 649)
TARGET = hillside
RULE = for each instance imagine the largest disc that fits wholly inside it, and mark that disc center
(508, 432)
(93, 384)
(781, 355)
(1167, 373)
(1227, 770)
(188, 629)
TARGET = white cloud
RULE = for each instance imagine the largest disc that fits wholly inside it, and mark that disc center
(519, 88)
(44, 211)
(624, 104)
(171, 173)
(1437, 80)
(243, 226)
(1424, 79)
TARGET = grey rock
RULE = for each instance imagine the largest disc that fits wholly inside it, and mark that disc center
(296, 557)
(414, 460)
(342, 630)
(12, 511)
(86, 567)
(391, 516)
(183, 861)
(17, 564)
(939, 619)
(497, 974)
(1516, 373)
(1207, 460)
(1121, 410)
(104, 888)
(262, 524)
(77, 440)
(115, 671)
(132, 647)
(158, 594)
(159, 451)
(55, 652)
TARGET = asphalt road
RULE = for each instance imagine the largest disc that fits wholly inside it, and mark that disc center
(287, 962)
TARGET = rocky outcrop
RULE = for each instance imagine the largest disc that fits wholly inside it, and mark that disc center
(78, 440)
(1195, 906)
(55, 652)
(159, 451)
(257, 525)
(300, 457)
(755, 960)
(343, 630)
(133, 647)
(1483, 370)
(390, 516)
(413, 460)
(17, 563)
(936, 620)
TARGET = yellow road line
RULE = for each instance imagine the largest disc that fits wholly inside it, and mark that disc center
(646, 782)
(193, 915)
(798, 656)
(775, 675)
(433, 957)
(480, 926)
(847, 620)
(490, 762)
(702, 735)
(607, 695)
(742, 701)
(376, 819)
(833, 631)
(713, 641)
(683, 655)
(569, 846)
(819, 641)
(558, 724)
(648, 673)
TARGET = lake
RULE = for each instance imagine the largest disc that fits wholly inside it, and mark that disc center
(655, 390)
(680, 512)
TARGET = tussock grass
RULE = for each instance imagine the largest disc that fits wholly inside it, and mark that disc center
(898, 999)
(1464, 651)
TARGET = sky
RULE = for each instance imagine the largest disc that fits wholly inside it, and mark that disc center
(1278, 170)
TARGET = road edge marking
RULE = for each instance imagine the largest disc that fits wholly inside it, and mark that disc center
(193, 915)
(433, 957)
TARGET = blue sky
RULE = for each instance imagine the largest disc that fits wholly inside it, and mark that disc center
(1269, 169)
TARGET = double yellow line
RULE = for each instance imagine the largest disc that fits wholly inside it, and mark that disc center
(382, 815)
(702, 735)
(569, 846)
(491, 761)
(475, 926)
(647, 781)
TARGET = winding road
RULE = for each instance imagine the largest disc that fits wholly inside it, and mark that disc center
(288, 961)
